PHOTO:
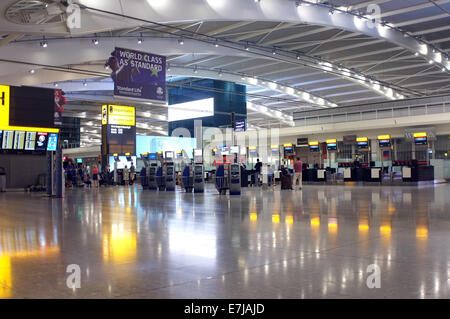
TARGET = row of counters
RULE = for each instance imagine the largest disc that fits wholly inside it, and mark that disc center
(370, 174)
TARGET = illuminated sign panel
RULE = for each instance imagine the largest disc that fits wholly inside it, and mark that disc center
(332, 145)
(314, 146)
(384, 140)
(362, 142)
(120, 115)
(288, 148)
(118, 129)
(275, 148)
(421, 138)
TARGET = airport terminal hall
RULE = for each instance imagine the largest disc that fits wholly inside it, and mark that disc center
(195, 150)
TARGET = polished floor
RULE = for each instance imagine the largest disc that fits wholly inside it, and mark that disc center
(316, 243)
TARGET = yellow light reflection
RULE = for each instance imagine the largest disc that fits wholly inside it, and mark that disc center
(276, 218)
(391, 209)
(5, 277)
(386, 230)
(253, 217)
(119, 245)
(422, 232)
(363, 227)
(315, 221)
(289, 220)
(332, 225)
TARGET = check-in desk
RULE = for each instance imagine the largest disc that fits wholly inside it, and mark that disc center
(418, 173)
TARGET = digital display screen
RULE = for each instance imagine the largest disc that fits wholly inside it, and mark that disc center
(32, 107)
(152, 156)
(79, 160)
(146, 156)
(41, 141)
(19, 140)
(421, 140)
(314, 148)
(363, 144)
(198, 170)
(384, 140)
(8, 138)
(384, 143)
(180, 154)
(252, 149)
(198, 152)
(52, 142)
(169, 155)
(235, 169)
(30, 141)
(288, 148)
(332, 147)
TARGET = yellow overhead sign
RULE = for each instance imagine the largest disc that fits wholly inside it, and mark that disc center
(287, 145)
(119, 115)
(313, 143)
(361, 139)
(331, 141)
(421, 134)
(384, 137)
(5, 94)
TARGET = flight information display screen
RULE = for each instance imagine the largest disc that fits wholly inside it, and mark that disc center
(52, 142)
(8, 138)
(30, 141)
(152, 156)
(41, 141)
(19, 140)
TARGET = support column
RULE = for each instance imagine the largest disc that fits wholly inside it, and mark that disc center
(49, 173)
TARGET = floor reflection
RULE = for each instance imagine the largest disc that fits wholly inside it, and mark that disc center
(291, 244)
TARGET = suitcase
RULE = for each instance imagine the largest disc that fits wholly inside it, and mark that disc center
(286, 182)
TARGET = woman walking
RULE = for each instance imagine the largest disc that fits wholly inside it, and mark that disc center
(95, 175)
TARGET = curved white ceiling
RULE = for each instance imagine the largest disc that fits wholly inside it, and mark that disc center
(176, 11)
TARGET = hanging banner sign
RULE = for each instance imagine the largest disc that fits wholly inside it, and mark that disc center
(138, 75)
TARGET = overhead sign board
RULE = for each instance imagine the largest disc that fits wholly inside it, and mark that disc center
(362, 142)
(240, 126)
(314, 146)
(138, 75)
(119, 129)
(384, 140)
(332, 144)
(421, 138)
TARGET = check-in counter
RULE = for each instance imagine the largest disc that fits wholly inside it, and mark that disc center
(375, 174)
(418, 173)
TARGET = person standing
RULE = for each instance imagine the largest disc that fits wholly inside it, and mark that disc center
(126, 175)
(257, 171)
(298, 173)
(95, 175)
(2, 179)
(132, 172)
